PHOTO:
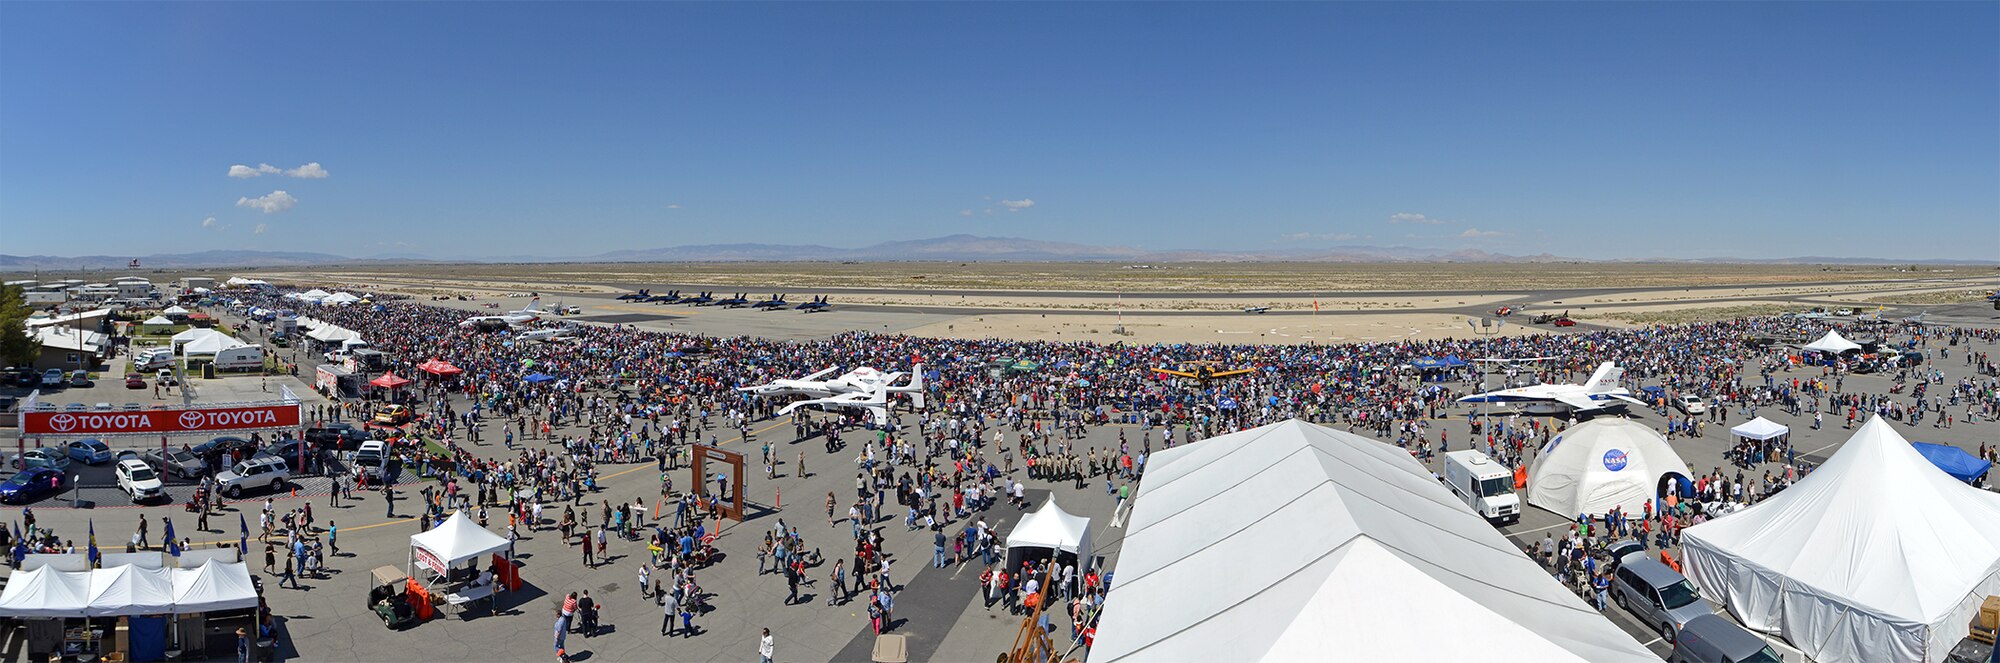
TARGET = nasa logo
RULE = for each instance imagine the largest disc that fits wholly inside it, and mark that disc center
(63, 423)
(1614, 460)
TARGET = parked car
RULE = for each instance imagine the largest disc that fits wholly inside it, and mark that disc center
(1690, 404)
(371, 461)
(1657, 596)
(31, 484)
(166, 378)
(1565, 322)
(101, 407)
(139, 481)
(1712, 639)
(225, 447)
(336, 436)
(80, 379)
(257, 472)
(288, 449)
(135, 381)
(393, 415)
(54, 379)
(50, 457)
(175, 462)
(76, 407)
(90, 451)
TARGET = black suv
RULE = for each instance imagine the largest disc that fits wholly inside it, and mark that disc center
(336, 436)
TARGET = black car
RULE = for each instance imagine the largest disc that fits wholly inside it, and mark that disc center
(336, 436)
(289, 449)
(217, 451)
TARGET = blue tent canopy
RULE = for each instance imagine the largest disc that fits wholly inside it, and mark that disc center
(1953, 460)
(539, 377)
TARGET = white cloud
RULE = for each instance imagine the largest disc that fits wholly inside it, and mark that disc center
(1473, 233)
(965, 212)
(1413, 217)
(259, 230)
(310, 171)
(673, 205)
(1017, 205)
(275, 201)
(208, 222)
(241, 171)
(988, 210)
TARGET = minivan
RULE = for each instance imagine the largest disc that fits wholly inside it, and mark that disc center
(1658, 596)
(1712, 639)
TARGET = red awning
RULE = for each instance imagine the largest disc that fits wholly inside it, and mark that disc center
(439, 367)
(389, 381)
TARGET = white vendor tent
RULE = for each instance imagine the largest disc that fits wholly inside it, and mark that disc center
(215, 585)
(455, 540)
(1760, 429)
(1833, 342)
(340, 298)
(332, 334)
(1602, 463)
(1052, 528)
(194, 334)
(46, 592)
(157, 322)
(211, 344)
(175, 311)
(1876, 556)
(130, 590)
(1295, 542)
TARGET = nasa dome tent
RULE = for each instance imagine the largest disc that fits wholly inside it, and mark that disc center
(1876, 556)
(1600, 464)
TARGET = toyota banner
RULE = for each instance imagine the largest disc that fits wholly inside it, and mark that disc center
(160, 422)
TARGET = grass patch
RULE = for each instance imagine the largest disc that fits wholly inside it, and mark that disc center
(1689, 315)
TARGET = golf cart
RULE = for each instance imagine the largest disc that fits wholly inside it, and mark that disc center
(388, 600)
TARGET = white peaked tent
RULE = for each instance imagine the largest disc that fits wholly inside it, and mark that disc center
(340, 298)
(130, 590)
(158, 321)
(1295, 542)
(211, 344)
(194, 334)
(332, 334)
(1760, 429)
(1877, 556)
(1052, 528)
(455, 540)
(1832, 342)
(46, 592)
(1599, 464)
(174, 310)
(215, 585)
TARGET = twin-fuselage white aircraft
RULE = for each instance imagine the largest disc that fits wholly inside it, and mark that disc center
(865, 388)
(509, 319)
(1599, 392)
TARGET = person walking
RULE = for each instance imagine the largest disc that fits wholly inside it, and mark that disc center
(765, 647)
(389, 499)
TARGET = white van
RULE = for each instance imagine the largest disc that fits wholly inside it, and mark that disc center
(1484, 485)
(249, 357)
(153, 359)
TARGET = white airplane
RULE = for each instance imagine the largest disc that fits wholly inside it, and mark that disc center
(1599, 392)
(864, 380)
(876, 402)
(510, 319)
(549, 334)
(1257, 309)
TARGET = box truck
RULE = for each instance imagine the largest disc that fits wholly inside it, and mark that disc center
(1486, 486)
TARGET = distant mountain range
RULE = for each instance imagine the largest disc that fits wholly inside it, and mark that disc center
(950, 248)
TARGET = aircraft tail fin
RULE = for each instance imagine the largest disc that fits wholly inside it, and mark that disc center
(916, 386)
(534, 305)
(1604, 380)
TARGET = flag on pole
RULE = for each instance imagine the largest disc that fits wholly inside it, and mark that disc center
(243, 540)
(173, 544)
(93, 541)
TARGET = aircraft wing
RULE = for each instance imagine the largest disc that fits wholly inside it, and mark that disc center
(1164, 371)
(1228, 373)
(820, 374)
(1578, 401)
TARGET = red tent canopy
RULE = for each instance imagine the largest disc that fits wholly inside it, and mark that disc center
(389, 381)
(438, 367)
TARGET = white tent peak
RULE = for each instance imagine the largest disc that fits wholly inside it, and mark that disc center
(1050, 527)
(1254, 545)
(457, 539)
(1760, 429)
(1875, 556)
(1833, 342)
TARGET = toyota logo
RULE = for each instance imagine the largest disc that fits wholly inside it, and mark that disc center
(191, 419)
(62, 423)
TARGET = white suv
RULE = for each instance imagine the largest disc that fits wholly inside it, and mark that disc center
(257, 472)
(139, 480)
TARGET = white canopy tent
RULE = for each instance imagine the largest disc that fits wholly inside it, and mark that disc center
(1298, 542)
(195, 334)
(130, 590)
(1877, 556)
(340, 298)
(174, 310)
(1054, 529)
(211, 344)
(455, 540)
(1833, 343)
(157, 322)
(1760, 429)
(215, 585)
(332, 334)
(1600, 464)
(46, 592)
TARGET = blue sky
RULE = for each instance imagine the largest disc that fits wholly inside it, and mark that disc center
(458, 129)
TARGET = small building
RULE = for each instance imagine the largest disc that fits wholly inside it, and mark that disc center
(191, 282)
(92, 320)
(135, 289)
(70, 349)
